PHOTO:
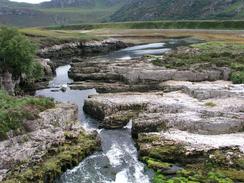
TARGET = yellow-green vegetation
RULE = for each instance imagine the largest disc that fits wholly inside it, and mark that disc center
(183, 24)
(15, 110)
(155, 35)
(208, 55)
(166, 151)
(210, 104)
(45, 37)
(57, 160)
(156, 164)
(205, 171)
(192, 177)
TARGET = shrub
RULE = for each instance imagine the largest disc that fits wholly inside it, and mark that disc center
(17, 55)
(237, 77)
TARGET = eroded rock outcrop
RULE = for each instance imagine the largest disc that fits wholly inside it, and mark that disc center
(135, 75)
(55, 142)
(178, 109)
(64, 52)
(189, 126)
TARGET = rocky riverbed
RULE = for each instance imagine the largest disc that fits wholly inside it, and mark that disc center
(187, 123)
(55, 141)
(52, 57)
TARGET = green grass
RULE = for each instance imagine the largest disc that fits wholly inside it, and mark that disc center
(209, 54)
(188, 24)
(15, 110)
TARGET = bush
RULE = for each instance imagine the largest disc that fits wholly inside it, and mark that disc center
(17, 55)
(237, 77)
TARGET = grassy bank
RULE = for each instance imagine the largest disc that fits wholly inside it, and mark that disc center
(208, 55)
(44, 37)
(212, 29)
(15, 110)
(189, 24)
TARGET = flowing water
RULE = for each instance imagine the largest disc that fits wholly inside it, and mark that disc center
(118, 161)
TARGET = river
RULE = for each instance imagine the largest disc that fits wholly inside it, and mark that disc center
(118, 161)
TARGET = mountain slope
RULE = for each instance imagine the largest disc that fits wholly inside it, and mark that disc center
(62, 12)
(57, 12)
(82, 3)
(180, 9)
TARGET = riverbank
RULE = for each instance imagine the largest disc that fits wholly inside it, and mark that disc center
(41, 139)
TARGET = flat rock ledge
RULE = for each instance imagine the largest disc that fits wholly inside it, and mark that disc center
(188, 127)
(134, 75)
(55, 143)
(197, 108)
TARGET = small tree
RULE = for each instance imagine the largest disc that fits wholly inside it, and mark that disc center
(16, 58)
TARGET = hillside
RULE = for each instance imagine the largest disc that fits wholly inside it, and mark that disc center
(57, 12)
(81, 3)
(62, 12)
(180, 9)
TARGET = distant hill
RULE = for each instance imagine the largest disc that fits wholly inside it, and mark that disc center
(81, 3)
(61, 12)
(57, 12)
(67, 3)
(180, 9)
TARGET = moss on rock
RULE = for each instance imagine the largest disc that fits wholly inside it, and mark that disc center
(236, 175)
(156, 164)
(57, 160)
(224, 165)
